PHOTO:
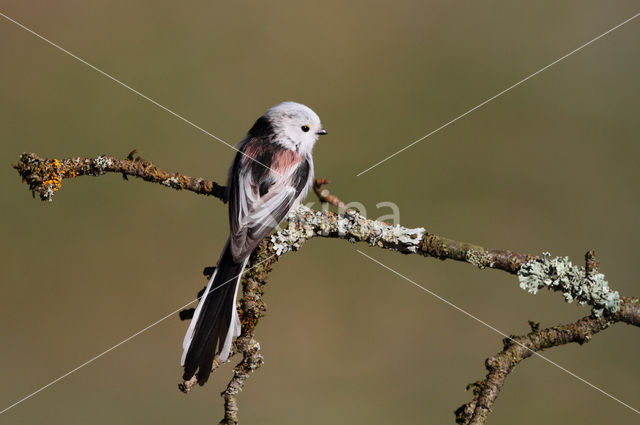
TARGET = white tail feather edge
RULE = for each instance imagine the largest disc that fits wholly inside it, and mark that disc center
(234, 328)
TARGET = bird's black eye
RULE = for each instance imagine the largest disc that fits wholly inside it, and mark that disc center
(305, 128)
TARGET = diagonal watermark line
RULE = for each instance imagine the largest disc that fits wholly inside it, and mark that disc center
(449, 303)
(114, 79)
(499, 94)
(124, 341)
(91, 360)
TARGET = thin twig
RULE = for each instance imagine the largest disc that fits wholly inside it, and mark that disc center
(324, 195)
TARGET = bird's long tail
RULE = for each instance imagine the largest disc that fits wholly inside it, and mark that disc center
(215, 321)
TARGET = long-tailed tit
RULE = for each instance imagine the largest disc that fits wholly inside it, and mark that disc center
(270, 175)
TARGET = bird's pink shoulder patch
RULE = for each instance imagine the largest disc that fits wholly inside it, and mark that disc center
(254, 148)
(284, 160)
(281, 159)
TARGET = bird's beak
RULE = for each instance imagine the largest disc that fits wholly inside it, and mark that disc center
(322, 132)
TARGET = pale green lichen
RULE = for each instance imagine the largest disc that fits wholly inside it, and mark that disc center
(559, 274)
(304, 223)
(291, 237)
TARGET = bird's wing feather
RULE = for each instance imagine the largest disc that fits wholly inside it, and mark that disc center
(261, 197)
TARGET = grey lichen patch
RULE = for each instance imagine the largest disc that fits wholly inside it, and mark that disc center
(478, 258)
(305, 223)
(300, 227)
(172, 182)
(406, 240)
(559, 274)
(47, 193)
(102, 162)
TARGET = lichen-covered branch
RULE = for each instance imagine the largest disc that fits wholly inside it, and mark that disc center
(352, 226)
(558, 274)
(518, 348)
(252, 308)
(584, 284)
(45, 176)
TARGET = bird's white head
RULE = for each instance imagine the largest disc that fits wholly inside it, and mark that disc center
(294, 126)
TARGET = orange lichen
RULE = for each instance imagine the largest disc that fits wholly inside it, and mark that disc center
(69, 174)
(53, 178)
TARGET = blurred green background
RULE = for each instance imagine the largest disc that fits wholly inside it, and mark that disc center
(551, 165)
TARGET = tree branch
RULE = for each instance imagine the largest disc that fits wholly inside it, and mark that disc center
(518, 348)
(584, 284)
(324, 195)
(45, 176)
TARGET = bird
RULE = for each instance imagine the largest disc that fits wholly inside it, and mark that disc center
(271, 173)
